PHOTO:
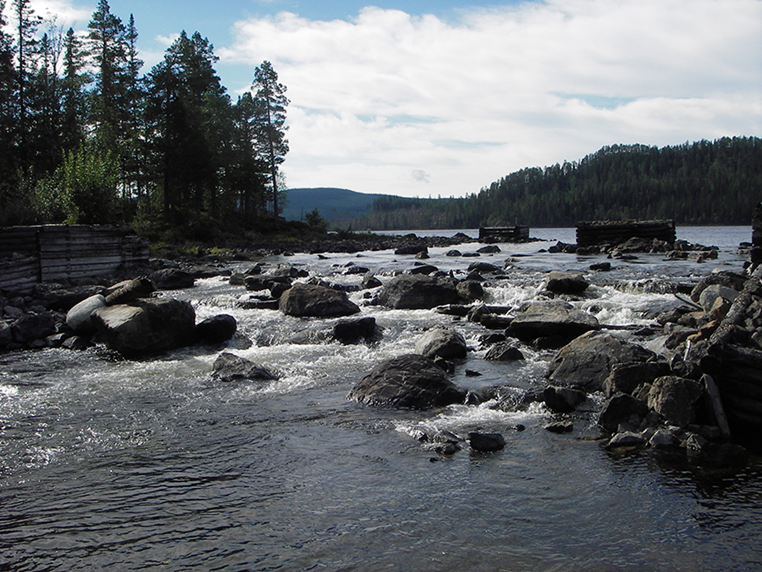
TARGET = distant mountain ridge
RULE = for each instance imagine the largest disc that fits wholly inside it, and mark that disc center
(334, 204)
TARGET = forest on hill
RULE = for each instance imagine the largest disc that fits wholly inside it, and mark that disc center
(86, 137)
(707, 182)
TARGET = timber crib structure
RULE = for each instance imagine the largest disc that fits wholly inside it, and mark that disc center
(518, 233)
(50, 253)
(590, 233)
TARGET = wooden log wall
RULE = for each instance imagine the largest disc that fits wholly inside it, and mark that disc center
(590, 233)
(51, 253)
(516, 233)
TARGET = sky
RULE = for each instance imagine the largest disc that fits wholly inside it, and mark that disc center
(434, 98)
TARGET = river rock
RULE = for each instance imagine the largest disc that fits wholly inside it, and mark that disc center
(711, 293)
(424, 269)
(146, 326)
(129, 290)
(369, 281)
(441, 342)
(624, 378)
(408, 291)
(562, 399)
(469, 290)
(6, 334)
(216, 329)
(484, 267)
(674, 398)
(620, 409)
(412, 249)
(626, 439)
(30, 327)
(504, 351)
(587, 361)
(486, 442)
(171, 279)
(230, 367)
(352, 331)
(78, 318)
(553, 318)
(566, 282)
(316, 301)
(410, 381)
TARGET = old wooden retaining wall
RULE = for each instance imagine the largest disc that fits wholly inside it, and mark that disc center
(50, 253)
(516, 233)
(590, 233)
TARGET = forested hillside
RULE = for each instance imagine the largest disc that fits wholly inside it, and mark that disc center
(335, 205)
(698, 183)
(86, 137)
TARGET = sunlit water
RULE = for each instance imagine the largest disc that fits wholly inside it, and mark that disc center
(129, 465)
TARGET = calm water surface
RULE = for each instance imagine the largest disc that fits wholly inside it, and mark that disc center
(136, 465)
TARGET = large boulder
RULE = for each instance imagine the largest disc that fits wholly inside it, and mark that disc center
(146, 326)
(674, 398)
(441, 342)
(230, 367)
(316, 301)
(587, 361)
(411, 381)
(504, 351)
(217, 329)
(78, 318)
(553, 318)
(565, 282)
(416, 291)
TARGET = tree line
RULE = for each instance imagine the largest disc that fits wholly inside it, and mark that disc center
(706, 182)
(86, 138)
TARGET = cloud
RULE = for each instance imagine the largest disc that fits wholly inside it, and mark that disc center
(66, 15)
(420, 176)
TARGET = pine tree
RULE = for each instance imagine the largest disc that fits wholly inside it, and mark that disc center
(270, 125)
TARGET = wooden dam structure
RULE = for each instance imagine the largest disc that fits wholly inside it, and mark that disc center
(590, 233)
(50, 253)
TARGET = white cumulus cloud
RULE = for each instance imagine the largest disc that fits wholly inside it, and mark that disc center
(466, 102)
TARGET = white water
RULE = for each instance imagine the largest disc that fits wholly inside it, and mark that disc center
(134, 465)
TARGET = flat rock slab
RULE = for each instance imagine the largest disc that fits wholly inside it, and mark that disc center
(554, 318)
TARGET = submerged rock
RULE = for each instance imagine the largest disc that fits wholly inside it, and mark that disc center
(411, 381)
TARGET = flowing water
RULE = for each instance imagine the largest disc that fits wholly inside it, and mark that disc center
(135, 465)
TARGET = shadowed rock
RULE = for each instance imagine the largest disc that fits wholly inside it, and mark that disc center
(410, 381)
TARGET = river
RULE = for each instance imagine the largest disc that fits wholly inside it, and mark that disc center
(109, 464)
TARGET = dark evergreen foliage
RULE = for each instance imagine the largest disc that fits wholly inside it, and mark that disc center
(699, 183)
(85, 138)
